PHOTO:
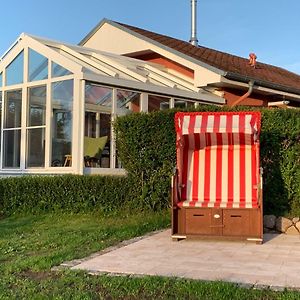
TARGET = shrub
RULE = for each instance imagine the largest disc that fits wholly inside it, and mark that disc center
(146, 145)
(280, 152)
(68, 193)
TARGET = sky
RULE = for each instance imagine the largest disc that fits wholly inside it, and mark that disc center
(269, 28)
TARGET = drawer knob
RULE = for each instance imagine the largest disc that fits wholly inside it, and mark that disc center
(217, 216)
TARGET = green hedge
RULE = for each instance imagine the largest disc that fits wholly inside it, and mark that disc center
(146, 145)
(280, 154)
(67, 193)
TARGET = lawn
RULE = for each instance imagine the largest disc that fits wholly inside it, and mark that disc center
(31, 245)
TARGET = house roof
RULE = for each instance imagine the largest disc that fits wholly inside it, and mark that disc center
(122, 67)
(113, 69)
(236, 67)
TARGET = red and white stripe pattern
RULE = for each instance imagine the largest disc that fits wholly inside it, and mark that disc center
(219, 159)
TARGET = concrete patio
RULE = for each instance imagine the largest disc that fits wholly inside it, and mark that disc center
(275, 264)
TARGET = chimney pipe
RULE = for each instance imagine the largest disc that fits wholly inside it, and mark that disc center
(194, 40)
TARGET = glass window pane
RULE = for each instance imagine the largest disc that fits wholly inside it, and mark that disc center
(62, 95)
(37, 66)
(1, 80)
(97, 139)
(37, 106)
(11, 148)
(35, 147)
(178, 103)
(13, 109)
(62, 107)
(126, 101)
(14, 72)
(98, 95)
(97, 124)
(158, 103)
(91, 124)
(98, 105)
(58, 70)
(135, 105)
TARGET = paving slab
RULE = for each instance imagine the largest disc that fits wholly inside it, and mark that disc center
(275, 263)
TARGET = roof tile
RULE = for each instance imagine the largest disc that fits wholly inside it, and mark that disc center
(265, 73)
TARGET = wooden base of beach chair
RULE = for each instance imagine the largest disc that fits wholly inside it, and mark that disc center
(218, 223)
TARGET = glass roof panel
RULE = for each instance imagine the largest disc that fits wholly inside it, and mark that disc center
(14, 71)
(37, 66)
(58, 70)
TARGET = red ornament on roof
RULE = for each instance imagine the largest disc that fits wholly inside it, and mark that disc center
(252, 59)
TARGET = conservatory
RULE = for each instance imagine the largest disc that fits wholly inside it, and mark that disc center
(58, 102)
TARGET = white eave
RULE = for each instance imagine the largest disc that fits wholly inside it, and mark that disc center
(259, 88)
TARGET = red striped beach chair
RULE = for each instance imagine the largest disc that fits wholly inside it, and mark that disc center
(217, 186)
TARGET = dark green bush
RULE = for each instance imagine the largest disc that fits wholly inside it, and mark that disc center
(68, 193)
(146, 145)
(280, 153)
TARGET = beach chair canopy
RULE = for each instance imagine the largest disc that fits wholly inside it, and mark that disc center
(218, 158)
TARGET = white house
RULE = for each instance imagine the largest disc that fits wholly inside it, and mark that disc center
(58, 100)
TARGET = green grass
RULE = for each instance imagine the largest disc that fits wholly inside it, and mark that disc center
(31, 245)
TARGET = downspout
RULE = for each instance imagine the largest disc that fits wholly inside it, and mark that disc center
(245, 96)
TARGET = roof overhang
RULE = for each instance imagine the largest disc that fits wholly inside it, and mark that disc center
(261, 83)
(226, 82)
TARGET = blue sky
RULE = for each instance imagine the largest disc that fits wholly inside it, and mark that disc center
(270, 28)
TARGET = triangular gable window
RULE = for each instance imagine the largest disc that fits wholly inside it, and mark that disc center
(37, 66)
(14, 71)
(58, 70)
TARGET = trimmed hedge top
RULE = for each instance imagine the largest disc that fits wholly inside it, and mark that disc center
(66, 193)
